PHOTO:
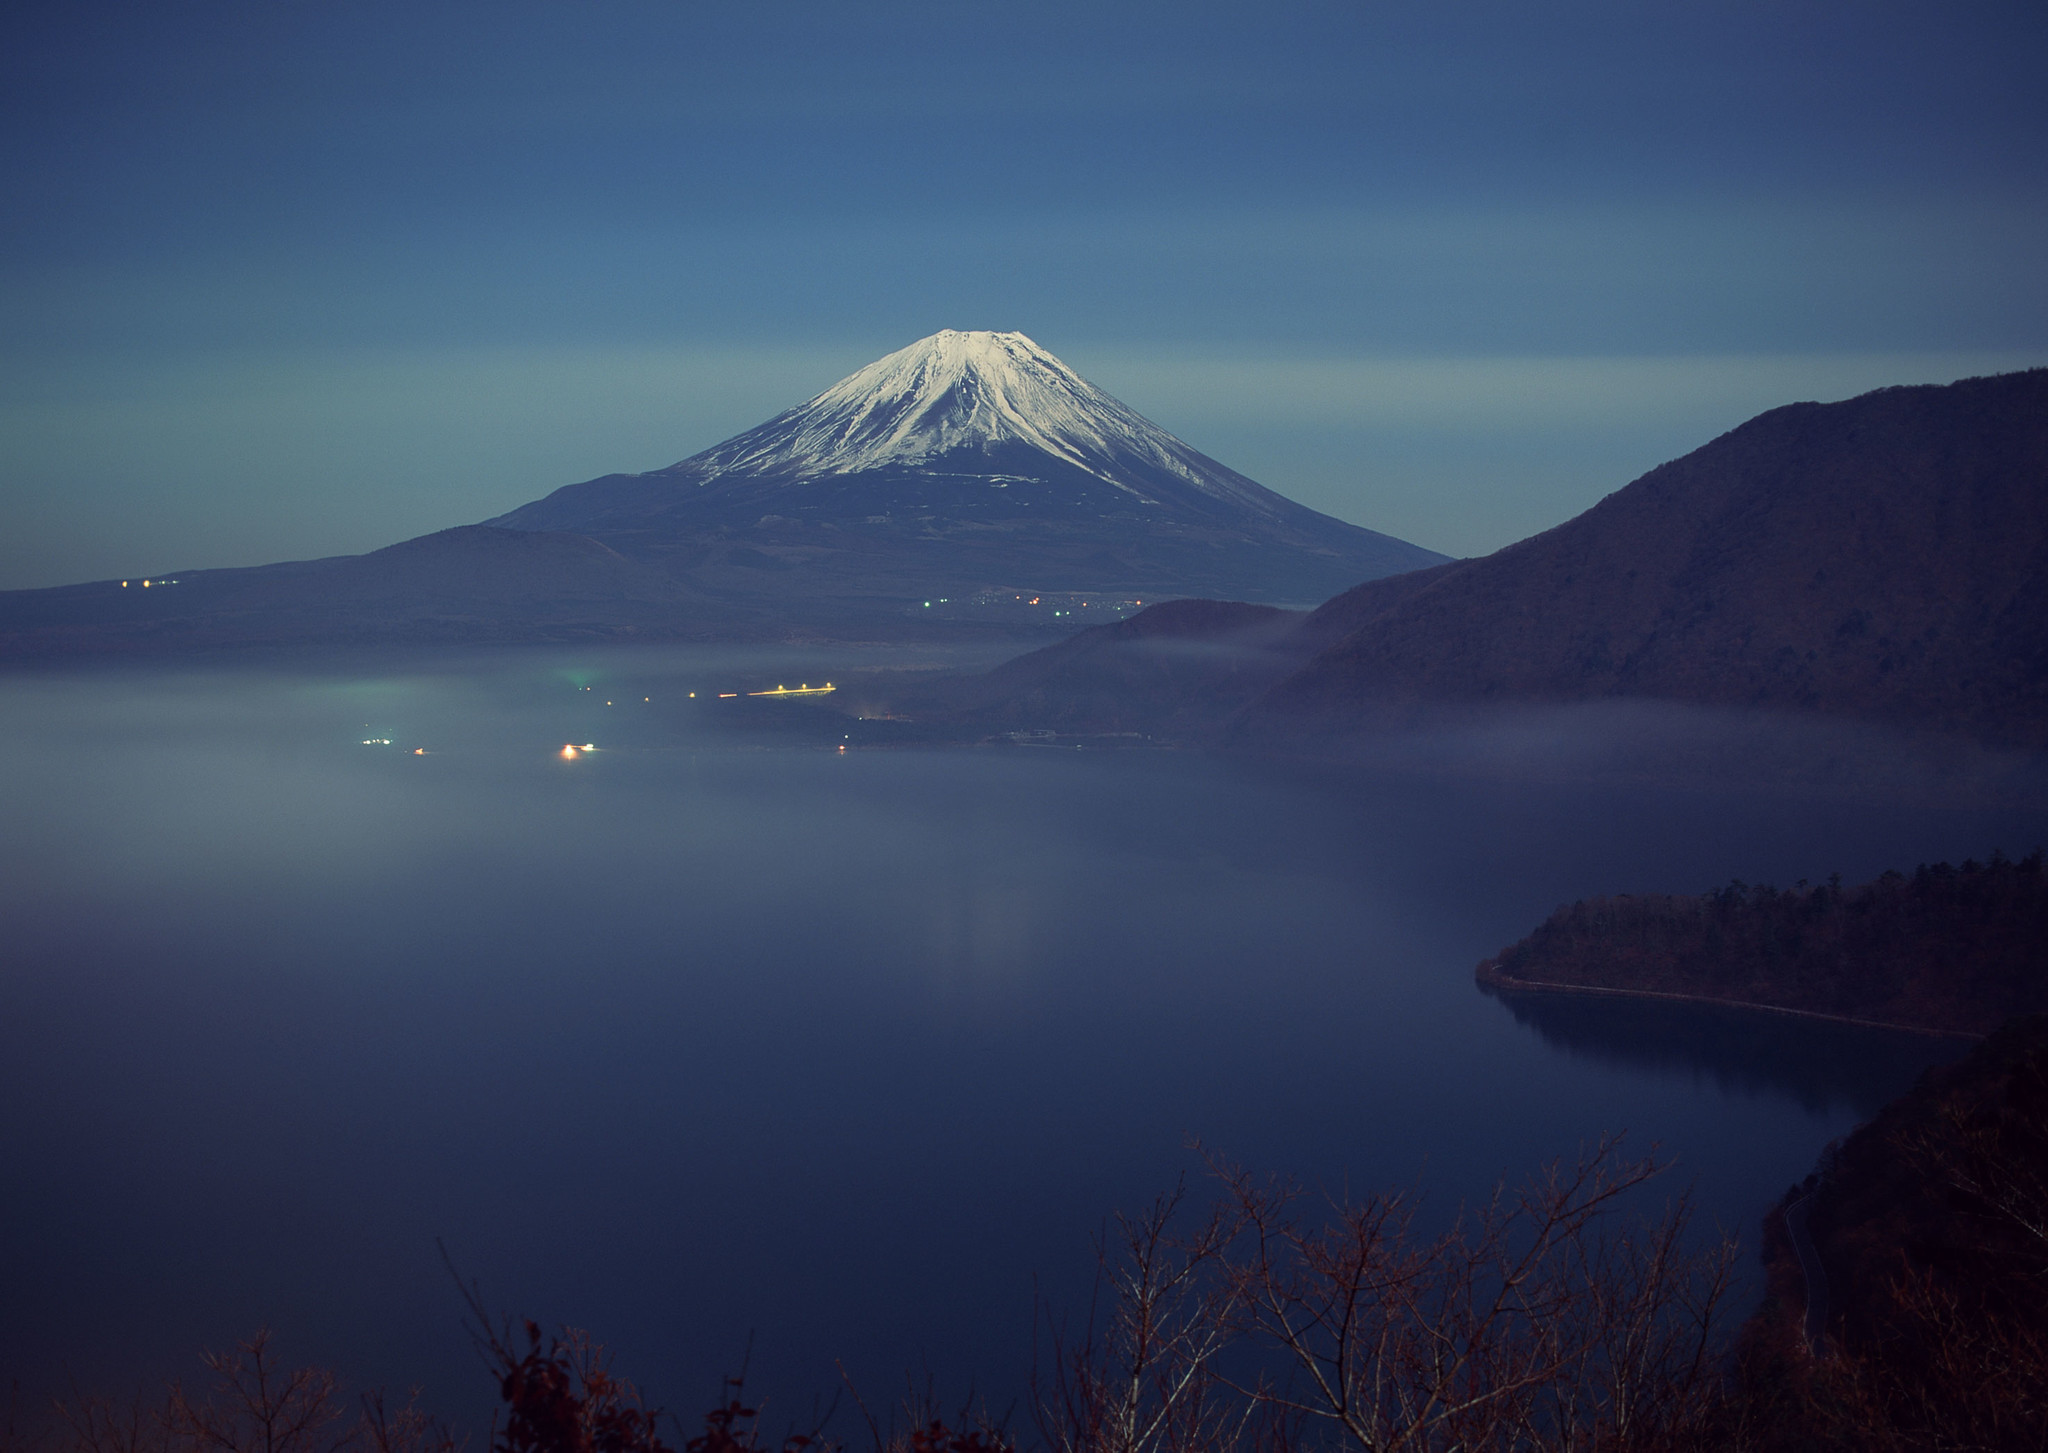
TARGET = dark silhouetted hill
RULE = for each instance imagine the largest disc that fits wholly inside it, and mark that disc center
(1883, 558)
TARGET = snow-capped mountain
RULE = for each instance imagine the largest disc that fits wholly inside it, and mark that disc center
(968, 460)
(956, 392)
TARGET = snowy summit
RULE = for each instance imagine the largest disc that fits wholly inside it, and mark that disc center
(955, 391)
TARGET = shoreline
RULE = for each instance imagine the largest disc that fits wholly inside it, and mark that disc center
(1489, 977)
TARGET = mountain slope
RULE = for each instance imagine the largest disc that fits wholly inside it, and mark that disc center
(469, 584)
(965, 462)
(1885, 557)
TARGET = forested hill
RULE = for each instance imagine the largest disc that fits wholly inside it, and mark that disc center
(1916, 1257)
(1883, 558)
(1956, 949)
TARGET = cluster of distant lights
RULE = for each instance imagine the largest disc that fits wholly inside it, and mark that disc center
(570, 751)
(947, 600)
(148, 583)
(802, 689)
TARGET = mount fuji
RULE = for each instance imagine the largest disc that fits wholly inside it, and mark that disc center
(967, 462)
(969, 478)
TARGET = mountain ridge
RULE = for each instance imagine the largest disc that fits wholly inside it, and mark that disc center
(1885, 556)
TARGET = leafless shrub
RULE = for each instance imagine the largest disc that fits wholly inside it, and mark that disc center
(1534, 1322)
(1143, 1379)
(253, 1404)
(920, 1424)
(405, 1429)
(1542, 1319)
(88, 1424)
(256, 1406)
(1276, 1322)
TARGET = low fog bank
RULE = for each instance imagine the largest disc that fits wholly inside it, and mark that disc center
(1680, 743)
(1197, 675)
(1132, 693)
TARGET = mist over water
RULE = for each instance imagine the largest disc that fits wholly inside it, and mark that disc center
(703, 1032)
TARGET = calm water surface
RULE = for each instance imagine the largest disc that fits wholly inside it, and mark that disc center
(685, 1039)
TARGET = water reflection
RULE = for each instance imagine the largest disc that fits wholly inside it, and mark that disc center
(1821, 1065)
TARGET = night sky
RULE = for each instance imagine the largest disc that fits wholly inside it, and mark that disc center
(291, 279)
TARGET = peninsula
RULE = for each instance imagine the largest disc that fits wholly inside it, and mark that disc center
(1945, 949)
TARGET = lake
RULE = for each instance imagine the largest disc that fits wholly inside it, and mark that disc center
(710, 1033)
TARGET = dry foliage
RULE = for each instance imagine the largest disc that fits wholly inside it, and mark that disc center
(1540, 1320)
(1949, 1353)
(1146, 1380)
(562, 1397)
(1548, 1319)
(253, 1404)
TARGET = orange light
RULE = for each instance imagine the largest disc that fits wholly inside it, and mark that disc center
(568, 753)
(419, 751)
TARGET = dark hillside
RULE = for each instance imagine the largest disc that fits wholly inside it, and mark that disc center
(1907, 1278)
(1883, 558)
(1340, 615)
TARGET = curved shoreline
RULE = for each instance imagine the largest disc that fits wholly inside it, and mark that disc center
(1490, 977)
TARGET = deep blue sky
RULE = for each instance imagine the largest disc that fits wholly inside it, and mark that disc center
(295, 278)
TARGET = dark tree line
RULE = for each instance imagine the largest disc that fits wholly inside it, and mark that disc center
(1961, 949)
